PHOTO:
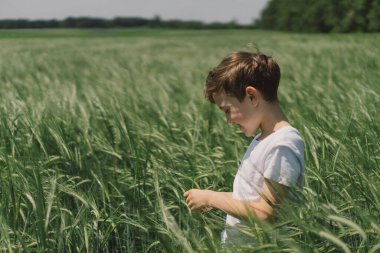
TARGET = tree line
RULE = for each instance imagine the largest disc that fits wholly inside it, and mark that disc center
(321, 15)
(121, 22)
(287, 15)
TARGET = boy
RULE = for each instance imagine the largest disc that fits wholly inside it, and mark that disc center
(244, 86)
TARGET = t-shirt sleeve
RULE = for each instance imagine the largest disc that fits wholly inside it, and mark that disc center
(283, 165)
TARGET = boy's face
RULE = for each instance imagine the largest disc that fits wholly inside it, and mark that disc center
(243, 114)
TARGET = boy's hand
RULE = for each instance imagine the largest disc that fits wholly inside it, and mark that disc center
(198, 199)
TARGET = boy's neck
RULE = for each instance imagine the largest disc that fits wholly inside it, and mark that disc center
(273, 120)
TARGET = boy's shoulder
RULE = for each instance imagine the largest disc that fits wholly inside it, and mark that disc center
(285, 143)
(286, 136)
(288, 142)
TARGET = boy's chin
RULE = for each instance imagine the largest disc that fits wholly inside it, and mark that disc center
(247, 134)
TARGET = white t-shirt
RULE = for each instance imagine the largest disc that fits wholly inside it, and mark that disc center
(279, 157)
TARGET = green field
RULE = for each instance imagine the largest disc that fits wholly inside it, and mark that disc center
(102, 131)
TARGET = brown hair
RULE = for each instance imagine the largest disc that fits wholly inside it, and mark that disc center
(242, 69)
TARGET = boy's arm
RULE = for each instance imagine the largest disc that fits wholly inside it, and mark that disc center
(273, 193)
(207, 208)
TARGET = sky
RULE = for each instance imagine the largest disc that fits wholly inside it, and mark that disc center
(242, 11)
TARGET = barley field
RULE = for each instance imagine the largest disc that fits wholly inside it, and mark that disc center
(102, 131)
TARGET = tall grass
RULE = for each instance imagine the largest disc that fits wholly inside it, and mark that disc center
(101, 135)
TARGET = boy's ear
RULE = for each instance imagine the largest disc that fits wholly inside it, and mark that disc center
(251, 92)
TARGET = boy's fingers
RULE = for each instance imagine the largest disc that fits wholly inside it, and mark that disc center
(187, 199)
(205, 209)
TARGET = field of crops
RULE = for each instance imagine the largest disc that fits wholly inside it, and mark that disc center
(102, 131)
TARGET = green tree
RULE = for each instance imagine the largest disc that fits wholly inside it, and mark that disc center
(322, 16)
